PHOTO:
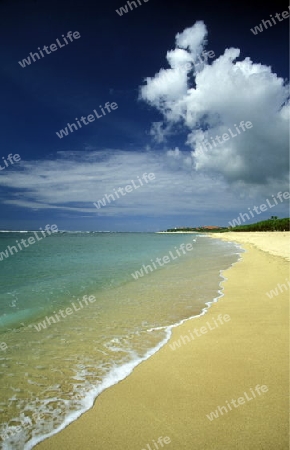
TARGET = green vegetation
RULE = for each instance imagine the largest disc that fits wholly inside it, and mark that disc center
(273, 224)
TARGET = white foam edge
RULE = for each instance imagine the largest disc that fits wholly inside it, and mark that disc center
(118, 374)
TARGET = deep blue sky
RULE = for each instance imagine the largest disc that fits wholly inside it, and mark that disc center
(109, 63)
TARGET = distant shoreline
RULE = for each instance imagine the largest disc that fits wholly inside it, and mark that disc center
(177, 232)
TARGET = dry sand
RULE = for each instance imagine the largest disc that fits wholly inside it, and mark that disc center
(276, 243)
(171, 393)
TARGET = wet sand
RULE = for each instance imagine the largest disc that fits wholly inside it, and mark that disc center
(171, 394)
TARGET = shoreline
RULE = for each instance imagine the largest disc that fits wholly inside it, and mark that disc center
(279, 246)
(79, 432)
(168, 329)
(177, 232)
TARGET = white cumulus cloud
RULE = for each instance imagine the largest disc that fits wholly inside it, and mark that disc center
(209, 99)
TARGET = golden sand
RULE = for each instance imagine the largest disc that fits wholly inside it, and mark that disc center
(276, 243)
(172, 393)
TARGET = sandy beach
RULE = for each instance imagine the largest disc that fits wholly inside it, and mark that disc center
(233, 361)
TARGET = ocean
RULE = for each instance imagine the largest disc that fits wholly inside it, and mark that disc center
(80, 310)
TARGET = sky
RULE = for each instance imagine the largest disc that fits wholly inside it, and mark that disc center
(174, 76)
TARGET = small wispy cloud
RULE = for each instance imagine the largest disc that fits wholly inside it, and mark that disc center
(73, 181)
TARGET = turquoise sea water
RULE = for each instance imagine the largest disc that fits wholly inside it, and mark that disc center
(59, 370)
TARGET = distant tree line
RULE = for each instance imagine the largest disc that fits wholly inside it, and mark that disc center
(273, 224)
(199, 229)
